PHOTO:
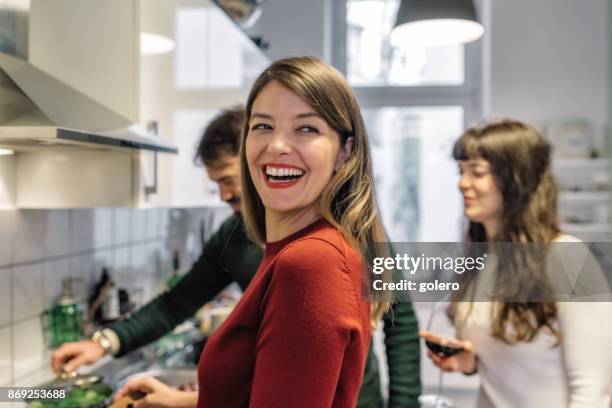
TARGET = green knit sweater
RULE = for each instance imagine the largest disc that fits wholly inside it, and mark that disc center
(229, 256)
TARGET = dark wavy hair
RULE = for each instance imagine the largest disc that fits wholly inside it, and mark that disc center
(520, 162)
(221, 136)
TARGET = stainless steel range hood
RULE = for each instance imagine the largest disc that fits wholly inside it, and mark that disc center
(37, 108)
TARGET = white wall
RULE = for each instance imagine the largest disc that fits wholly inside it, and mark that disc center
(293, 27)
(549, 59)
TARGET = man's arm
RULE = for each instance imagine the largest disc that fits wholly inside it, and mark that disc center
(403, 355)
(201, 284)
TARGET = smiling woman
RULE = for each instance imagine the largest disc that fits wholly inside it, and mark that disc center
(292, 153)
(530, 348)
(302, 330)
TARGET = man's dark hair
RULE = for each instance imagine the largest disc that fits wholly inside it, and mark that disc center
(221, 136)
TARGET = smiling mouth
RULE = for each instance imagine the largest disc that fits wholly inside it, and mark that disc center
(282, 175)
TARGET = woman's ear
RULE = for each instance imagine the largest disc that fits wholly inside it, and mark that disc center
(344, 153)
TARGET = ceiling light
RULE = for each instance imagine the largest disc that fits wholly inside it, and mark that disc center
(155, 44)
(6, 152)
(436, 23)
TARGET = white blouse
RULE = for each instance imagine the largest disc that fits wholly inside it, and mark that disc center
(576, 374)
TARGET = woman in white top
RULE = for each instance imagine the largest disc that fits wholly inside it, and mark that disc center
(545, 353)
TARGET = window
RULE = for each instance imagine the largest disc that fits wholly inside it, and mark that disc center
(416, 101)
(372, 60)
(414, 173)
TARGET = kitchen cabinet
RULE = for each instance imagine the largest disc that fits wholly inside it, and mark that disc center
(98, 47)
(62, 177)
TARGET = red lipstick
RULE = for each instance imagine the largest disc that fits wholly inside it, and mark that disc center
(280, 183)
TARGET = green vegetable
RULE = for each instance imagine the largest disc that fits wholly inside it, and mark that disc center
(77, 397)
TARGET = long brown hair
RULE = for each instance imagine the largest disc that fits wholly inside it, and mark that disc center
(520, 162)
(347, 202)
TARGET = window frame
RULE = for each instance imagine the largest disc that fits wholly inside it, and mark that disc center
(470, 95)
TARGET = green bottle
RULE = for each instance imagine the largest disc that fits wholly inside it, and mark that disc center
(65, 319)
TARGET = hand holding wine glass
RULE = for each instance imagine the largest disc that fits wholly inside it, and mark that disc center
(450, 354)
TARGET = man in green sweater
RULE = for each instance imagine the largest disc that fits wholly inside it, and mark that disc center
(229, 256)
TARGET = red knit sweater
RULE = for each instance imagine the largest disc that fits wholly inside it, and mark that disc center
(300, 334)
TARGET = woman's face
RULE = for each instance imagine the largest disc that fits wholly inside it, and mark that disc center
(482, 199)
(291, 151)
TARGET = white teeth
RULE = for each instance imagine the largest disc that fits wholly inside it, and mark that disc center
(283, 172)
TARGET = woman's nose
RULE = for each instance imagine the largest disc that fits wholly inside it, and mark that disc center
(464, 182)
(280, 143)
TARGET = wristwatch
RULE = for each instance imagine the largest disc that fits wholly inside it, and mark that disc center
(100, 338)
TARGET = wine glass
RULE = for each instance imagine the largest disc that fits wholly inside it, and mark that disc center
(438, 323)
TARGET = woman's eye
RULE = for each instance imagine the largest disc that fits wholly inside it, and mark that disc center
(261, 126)
(308, 129)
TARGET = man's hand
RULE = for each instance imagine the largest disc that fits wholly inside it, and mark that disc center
(464, 362)
(158, 394)
(70, 356)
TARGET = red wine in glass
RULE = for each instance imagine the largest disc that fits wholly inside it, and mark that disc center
(443, 351)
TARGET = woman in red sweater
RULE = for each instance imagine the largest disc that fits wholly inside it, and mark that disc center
(300, 334)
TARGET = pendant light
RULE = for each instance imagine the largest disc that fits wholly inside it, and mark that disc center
(156, 27)
(436, 23)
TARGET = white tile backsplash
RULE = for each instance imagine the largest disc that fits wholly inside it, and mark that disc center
(55, 271)
(29, 241)
(82, 234)
(40, 247)
(164, 221)
(152, 262)
(83, 269)
(28, 347)
(122, 226)
(152, 223)
(28, 291)
(57, 233)
(103, 259)
(6, 349)
(103, 227)
(139, 225)
(123, 261)
(139, 257)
